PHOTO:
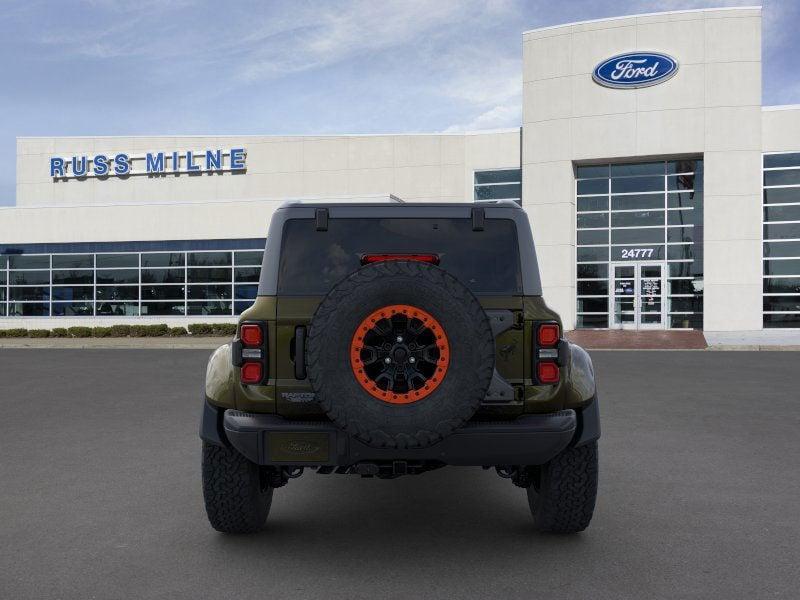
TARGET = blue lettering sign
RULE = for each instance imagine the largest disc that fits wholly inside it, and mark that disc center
(100, 165)
(176, 162)
(237, 159)
(79, 166)
(56, 167)
(154, 163)
(190, 166)
(213, 160)
(121, 164)
(635, 70)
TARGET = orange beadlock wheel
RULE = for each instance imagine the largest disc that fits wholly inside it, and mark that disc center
(399, 354)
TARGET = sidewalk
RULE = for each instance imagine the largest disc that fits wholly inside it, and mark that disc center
(165, 343)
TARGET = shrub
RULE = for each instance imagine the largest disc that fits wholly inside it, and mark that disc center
(177, 331)
(101, 332)
(156, 330)
(120, 330)
(80, 332)
(200, 329)
(59, 332)
(38, 333)
(16, 332)
(223, 329)
(138, 331)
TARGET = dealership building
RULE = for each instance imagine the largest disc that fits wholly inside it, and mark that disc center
(661, 193)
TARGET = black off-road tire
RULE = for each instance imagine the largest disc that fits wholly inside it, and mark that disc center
(425, 421)
(237, 494)
(563, 492)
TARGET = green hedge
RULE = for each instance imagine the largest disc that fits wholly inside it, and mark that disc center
(160, 330)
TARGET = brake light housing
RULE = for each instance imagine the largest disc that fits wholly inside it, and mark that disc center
(368, 259)
(547, 345)
(249, 353)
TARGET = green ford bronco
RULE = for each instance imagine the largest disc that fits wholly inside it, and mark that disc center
(391, 339)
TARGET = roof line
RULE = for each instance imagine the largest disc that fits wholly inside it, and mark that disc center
(782, 107)
(652, 14)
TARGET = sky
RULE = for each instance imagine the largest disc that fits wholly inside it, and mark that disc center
(161, 67)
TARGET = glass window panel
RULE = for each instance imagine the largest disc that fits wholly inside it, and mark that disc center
(596, 203)
(2, 277)
(787, 320)
(683, 182)
(245, 292)
(639, 218)
(117, 309)
(788, 177)
(681, 269)
(593, 321)
(684, 217)
(511, 191)
(162, 292)
(680, 252)
(694, 304)
(686, 321)
(498, 176)
(209, 259)
(782, 231)
(592, 236)
(253, 258)
(73, 261)
(782, 249)
(209, 275)
(592, 288)
(3, 261)
(593, 186)
(248, 274)
(29, 293)
(637, 202)
(651, 168)
(163, 259)
(782, 285)
(162, 308)
(73, 292)
(29, 277)
(117, 260)
(782, 267)
(241, 305)
(28, 309)
(642, 252)
(2, 310)
(209, 308)
(636, 184)
(209, 292)
(684, 166)
(24, 261)
(121, 292)
(782, 213)
(685, 200)
(592, 171)
(782, 195)
(593, 220)
(592, 254)
(592, 271)
(2, 294)
(680, 234)
(73, 277)
(684, 286)
(593, 305)
(782, 303)
(782, 160)
(163, 275)
(637, 236)
(72, 309)
(118, 276)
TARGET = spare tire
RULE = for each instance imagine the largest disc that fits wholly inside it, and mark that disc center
(400, 354)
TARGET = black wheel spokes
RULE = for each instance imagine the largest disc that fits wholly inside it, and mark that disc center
(399, 354)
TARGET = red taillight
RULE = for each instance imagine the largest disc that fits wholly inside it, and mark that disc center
(548, 335)
(251, 335)
(547, 372)
(251, 372)
(374, 258)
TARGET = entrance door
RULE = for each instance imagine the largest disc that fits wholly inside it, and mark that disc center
(637, 295)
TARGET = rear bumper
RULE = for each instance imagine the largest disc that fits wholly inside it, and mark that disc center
(272, 440)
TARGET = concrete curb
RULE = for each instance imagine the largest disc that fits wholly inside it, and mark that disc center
(159, 343)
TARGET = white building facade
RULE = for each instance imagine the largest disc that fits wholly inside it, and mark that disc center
(663, 197)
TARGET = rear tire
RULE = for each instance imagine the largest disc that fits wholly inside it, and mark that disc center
(236, 492)
(563, 492)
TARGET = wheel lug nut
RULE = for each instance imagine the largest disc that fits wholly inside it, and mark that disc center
(399, 339)
(411, 359)
(387, 360)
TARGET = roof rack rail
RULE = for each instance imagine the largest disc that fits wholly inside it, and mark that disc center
(394, 198)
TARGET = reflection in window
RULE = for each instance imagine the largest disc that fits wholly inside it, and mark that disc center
(499, 184)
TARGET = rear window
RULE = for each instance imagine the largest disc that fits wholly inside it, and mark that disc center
(312, 262)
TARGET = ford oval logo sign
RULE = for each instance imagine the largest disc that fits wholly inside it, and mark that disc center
(635, 70)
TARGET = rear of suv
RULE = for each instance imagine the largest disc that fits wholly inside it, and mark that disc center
(392, 339)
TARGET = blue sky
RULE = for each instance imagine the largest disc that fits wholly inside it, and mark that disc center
(151, 67)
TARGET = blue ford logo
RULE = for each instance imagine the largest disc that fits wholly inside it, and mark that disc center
(635, 70)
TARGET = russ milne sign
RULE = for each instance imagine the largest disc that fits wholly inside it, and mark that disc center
(151, 163)
(635, 70)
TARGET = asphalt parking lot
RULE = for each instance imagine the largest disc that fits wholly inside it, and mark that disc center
(100, 494)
